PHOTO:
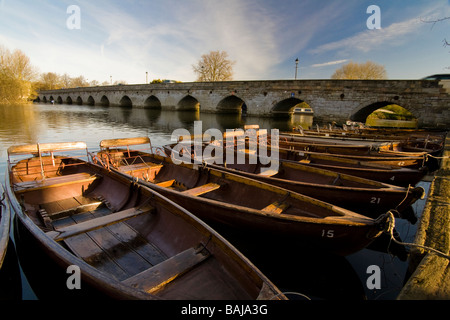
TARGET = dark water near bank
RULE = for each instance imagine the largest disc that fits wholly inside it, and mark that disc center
(316, 274)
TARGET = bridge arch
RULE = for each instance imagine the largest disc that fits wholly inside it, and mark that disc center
(91, 101)
(152, 102)
(286, 106)
(69, 100)
(362, 114)
(59, 100)
(79, 101)
(44, 99)
(104, 101)
(188, 103)
(232, 104)
(126, 102)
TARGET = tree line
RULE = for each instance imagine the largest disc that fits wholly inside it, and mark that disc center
(20, 80)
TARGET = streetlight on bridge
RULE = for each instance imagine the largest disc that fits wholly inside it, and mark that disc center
(296, 68)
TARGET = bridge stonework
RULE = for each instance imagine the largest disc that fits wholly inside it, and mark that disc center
(331, 100)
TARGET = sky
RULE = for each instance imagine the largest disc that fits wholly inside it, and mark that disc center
(136, 40)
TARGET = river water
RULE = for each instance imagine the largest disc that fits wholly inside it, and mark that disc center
(315, 274)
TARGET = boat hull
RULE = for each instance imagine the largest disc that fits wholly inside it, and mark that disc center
(5, 215)
(252, 206)
(128, 241)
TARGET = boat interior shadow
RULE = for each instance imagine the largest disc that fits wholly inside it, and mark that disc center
(300, 271)
(10, 278)
(46, 278)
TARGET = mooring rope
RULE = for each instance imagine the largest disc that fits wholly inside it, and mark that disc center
(443, 157)
(390, 229)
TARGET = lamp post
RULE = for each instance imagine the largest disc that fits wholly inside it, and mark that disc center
(296, 68)
(146, 77)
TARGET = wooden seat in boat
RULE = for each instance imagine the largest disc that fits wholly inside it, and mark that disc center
(268, 173)
(140, 166)
(275, 207)
(201, 189)
(76, 229)
(54, 181)
(156, 277)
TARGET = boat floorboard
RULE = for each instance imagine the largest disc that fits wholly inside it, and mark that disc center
(117, 249)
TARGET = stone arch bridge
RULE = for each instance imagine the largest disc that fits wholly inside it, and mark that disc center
(331, 100)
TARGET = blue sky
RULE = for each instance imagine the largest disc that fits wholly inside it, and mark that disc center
(125, 39)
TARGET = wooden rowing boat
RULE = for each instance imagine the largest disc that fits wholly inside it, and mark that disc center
(225, 199)
(383, 172)
(432, 138)
(4, 225)
(393, 175)
(383, 168)
(365, 196)
(128, 241)
(393, 152)
(405, 160)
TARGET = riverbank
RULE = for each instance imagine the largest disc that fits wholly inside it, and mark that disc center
(430, 279)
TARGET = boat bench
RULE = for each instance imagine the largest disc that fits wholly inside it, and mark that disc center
(276, 207)
(140, 166)
(158, 276)
(268, 173)
(54, 182)
(52, 211)
(97, 223)
(201, 189)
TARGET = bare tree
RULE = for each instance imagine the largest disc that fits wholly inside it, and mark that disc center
(445, 41)
(52, 81)
(214, 66)
(360, 71)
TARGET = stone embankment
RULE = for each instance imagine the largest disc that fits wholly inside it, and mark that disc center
(430, 279)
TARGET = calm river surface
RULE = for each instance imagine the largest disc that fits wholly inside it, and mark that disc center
(318, 275)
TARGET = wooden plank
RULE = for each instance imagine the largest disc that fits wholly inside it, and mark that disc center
(158, 276)
(54, 181)
(201, 189)
(72, 210)
(62, 146)
(129, 250)
(46, 147)
(268, 173)
(140, 166)
(109, 143)
(97, 223)
(166, 184)
(276, 207)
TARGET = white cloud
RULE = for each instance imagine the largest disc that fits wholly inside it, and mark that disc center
(368, 40)
(330, 63)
